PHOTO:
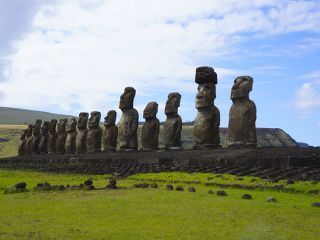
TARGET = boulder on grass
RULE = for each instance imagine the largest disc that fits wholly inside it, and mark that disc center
(222, 193)
(191, 189)
(246, 196)
(169, 187)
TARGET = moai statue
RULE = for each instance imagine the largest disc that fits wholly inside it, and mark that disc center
(243, 114)
(52, 136)
(22, 145)
(207, 122)
(61, 136)
(71, 129)
(128, 125)
(44, 132)
(29, 139)
(150, 128)
(36, 136)
(82, 131)
(110, 133)
(93, 141)
(173, 125)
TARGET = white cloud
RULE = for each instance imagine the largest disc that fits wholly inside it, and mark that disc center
(308, 99)
(81, 55)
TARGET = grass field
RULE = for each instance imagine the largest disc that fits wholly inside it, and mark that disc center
(135, 213)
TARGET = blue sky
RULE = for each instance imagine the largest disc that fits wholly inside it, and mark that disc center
(78, 55)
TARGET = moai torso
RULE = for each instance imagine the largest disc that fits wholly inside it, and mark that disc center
(82, 131)
(52, 137)
(128, 125)
(61, 136)
(71, 129)
(110, 132)
(150, 128)
(173, 125)
(207, 121)
(29, 139)
(242, 116)
(36, 136)
(93, 140)
(22, 145)
(44, 137)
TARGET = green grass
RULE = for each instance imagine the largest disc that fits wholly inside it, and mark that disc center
(132, 213)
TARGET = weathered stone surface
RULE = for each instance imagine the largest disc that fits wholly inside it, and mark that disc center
(22, 145)
(207, 122)
(93, 141)
(110, 132)
(173, 125)
(21, 185)
(316, 204)
(71, 129)
(150, 128)
(88, 182)
(191, 189)
(61, 136)
(128, 125)
(44, 132)
(246, 196)
(243, 114)
(52, 137)
(169, 187)
(36, 136)
(82, 132)
(29, 139)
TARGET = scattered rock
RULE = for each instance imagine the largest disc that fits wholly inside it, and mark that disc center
(240, 178)
(179, 188)
(271, 199)
(74, 187)
(89, 187)
(290, 181)
(221, 193)
(169, 187)
(54, 187)
(246, 196)
(191, 189)
(154, 185)
(112, 183)
(61, 187)
(210, 192)
(81, 185)
(14, 189)
(21, 185)
(315, 204)
(46, 186)
(67, 186)
(88, 182)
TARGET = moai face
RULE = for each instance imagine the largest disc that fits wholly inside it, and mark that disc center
(173, 103)
(83, 120)
(126, 99)
(241, 87)
(37, 127)
(53, 125)
(207, 80)
(110, 119)
(61, 125)
(45, 127)
(94, 119)
(29, 130)
(150, 110)
(71, 125)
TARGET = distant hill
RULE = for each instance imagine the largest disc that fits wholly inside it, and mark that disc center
(16, 116)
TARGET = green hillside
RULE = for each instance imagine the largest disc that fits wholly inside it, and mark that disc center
(18, 116)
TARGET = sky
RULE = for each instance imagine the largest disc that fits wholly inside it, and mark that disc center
(68, 56)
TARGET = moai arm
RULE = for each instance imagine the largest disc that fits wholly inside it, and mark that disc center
(134, 123)
(156, 134)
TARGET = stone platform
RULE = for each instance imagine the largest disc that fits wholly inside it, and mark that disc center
(275, 163)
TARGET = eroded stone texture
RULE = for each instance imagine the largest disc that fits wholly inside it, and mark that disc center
(173, 125)
(44, 131)
(29, 139)
(93, 141)
(110, 132)
(82, 131)
(52, 136)
(36, 136)
(150, 128)
(243, 114)
(207, 122)
(71, 129)
(22, 145)
(128, 125)
(61, 135)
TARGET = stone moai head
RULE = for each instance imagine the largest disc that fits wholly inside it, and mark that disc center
(127, 98)
(94, 119)
(37, 127)
(53, 124)
(242, 87)
(82, 120)
(45, 127)
(173, 103)
(206, 77)
(110, 119)
(150, 110)
(61, 125)
(29, 130)
(71, 125)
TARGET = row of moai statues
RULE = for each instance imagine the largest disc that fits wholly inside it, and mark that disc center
(85, 135)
